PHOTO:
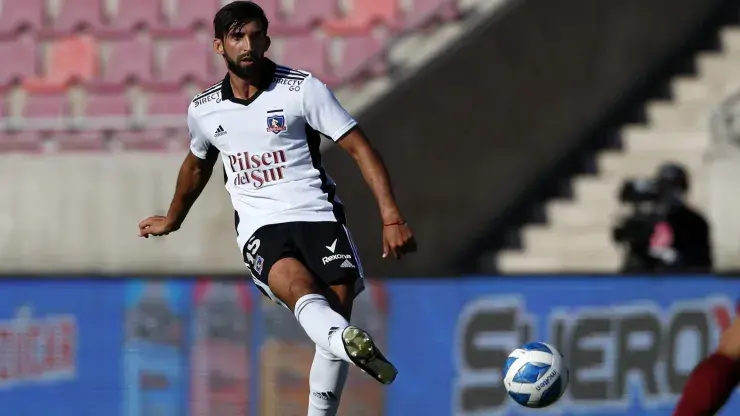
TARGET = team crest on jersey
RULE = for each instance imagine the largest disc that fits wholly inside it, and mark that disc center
(276, 124)
(258, 264)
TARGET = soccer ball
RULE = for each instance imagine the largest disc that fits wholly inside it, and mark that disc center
(535, 375)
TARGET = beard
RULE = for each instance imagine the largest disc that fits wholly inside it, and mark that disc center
(241, 71)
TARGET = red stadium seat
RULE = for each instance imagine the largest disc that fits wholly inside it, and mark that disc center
(129, 59)
(425, 11)
(21, 141)
(106, 104)
(141, 140)
(305, 52)
(46, 105)
(132, 14)
(185, 59)
(363, 15)
(190, 13)
(276, 16)
(18, 14)
(69, 59)
(359, 54)
(309, 13)
(82, 141)
(77, 14)
(168, 103)
(19, 59)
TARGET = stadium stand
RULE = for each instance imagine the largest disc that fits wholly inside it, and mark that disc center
(153, 47)
(119, 117)
(578, 233)
(492, 135)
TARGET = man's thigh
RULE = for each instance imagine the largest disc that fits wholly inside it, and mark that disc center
(264, 248)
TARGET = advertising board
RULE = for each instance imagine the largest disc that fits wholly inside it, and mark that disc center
(630, 342)
(58, 349)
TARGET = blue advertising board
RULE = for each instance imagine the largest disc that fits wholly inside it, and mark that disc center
(630, 342)
(131, 347)
(59, 353)
(155, 359)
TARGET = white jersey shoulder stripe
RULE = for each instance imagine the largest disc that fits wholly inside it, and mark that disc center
(213, 88)
(282, 71)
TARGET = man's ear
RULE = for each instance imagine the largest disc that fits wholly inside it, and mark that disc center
(218, 46)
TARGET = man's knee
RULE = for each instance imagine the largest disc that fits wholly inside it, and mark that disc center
(290, 280)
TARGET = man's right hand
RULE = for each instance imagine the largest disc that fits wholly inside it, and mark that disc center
(155, 226)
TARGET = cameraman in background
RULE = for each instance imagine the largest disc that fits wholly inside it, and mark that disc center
(663, 234)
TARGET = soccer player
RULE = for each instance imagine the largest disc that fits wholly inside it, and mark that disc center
(265, 120)
(714, 379)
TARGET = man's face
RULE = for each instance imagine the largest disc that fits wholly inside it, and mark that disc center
(243, 48)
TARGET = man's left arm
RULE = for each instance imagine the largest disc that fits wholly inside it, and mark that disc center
(397, 236)
(325, 114)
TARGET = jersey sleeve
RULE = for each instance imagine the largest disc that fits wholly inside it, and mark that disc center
(323, 111)
(199, 142)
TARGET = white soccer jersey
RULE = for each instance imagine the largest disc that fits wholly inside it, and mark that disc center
(269, 145)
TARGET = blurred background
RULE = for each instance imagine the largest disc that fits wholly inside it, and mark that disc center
(569, 168)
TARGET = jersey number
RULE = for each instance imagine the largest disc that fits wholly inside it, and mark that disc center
(252, 246)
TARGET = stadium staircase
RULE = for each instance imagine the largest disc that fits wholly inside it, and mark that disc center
(577, 236)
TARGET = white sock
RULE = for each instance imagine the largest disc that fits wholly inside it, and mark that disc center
(326, 381)
(322, 324)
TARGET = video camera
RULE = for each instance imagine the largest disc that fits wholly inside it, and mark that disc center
(649, 198)
(635, 191)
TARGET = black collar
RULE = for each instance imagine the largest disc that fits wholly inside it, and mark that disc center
(265, 79)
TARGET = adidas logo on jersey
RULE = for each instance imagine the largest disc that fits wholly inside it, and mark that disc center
(347, 265)
(220, 131)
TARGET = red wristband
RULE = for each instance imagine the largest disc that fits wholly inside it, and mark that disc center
(402, 222)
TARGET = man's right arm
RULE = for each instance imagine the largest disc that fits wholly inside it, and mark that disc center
(192, 179)
(195, 172)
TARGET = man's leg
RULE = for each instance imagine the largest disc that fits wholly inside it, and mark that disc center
(326, 382)
(324, 315)
(291, 282)
(328, 372)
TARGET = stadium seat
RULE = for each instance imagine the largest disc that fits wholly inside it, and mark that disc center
(363, 15)
(358, 55)
(69, 59)
(129, 59)
(309, 13)
(168, 103)
(106, 104)
(41, 105)
(133, 14)
(425, 11)
(192, 13)
(19, 14)
(143, 140)
(79, 141)
(21, 141)
(185, 59)
(19, 59)
(276, 16)
(78, 14)
(305, 52)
